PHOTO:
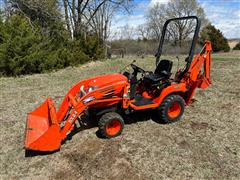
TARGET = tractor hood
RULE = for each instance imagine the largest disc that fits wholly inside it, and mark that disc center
(107, 80)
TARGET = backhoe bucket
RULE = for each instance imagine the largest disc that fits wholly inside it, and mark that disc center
(42, 129)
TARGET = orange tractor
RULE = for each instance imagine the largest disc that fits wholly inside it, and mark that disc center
(114, 95)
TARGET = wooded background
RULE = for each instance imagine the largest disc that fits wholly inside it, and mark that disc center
(40, 36)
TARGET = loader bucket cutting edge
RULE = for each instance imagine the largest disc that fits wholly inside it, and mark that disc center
(42, 129)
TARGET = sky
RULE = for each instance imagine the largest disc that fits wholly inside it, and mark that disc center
(223, 14)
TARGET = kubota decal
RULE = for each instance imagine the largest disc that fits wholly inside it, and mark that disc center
(73, 116)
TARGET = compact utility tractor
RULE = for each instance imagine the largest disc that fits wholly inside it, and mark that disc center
(113, 95)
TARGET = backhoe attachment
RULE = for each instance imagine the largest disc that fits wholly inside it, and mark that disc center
(198, 75)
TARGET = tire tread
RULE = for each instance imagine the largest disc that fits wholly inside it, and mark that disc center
(105, 119)
(162, 108)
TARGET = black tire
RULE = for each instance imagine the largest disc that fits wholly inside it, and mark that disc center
(166, 114)
(108, 121)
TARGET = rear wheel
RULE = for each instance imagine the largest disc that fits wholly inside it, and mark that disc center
(110, 125)
(171, 109)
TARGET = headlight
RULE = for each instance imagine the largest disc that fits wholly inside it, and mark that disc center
(88, 99)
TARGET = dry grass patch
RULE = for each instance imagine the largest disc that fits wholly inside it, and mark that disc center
(204, 145)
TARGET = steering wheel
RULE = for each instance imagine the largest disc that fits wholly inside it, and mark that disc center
(137, 69)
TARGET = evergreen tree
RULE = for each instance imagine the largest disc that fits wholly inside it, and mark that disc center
(237, 47)
(219, 42)
(19, 47)
(26, 51)
(33, 39)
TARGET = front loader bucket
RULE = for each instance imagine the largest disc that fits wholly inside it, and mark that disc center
(42, 129)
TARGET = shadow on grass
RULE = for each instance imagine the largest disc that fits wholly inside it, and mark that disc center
(31, 153)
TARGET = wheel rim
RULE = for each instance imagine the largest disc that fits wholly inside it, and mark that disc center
(113, 127)
(174, 110)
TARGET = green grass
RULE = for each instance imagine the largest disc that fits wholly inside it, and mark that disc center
(234, 55)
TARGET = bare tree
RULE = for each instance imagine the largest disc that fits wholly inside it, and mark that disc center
(180, 8)
(143, 31)
(45, 12)
(127, 32)
(156, 17)
(67, 17)
(158, 14)
(101, 22)
(91, 15)
(75, 15)
(80, 16)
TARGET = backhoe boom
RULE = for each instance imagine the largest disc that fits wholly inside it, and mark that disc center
(195, 77)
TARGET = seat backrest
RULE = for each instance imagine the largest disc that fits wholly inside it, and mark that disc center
(164, 65)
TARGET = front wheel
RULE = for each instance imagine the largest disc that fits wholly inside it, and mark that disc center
(110, 125)
(171, 109)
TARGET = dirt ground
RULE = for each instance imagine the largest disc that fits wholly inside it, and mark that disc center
(204, 145)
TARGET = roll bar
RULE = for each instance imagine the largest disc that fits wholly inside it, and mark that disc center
(194, 41)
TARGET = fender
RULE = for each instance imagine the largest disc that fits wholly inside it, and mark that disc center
(174, 88)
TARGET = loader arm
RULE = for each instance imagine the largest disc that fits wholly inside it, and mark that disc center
(198, 75)
(46, 128)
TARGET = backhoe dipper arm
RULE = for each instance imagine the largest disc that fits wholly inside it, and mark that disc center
(195, 78)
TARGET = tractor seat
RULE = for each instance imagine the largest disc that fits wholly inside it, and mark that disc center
(162, 72)
(155, 78)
